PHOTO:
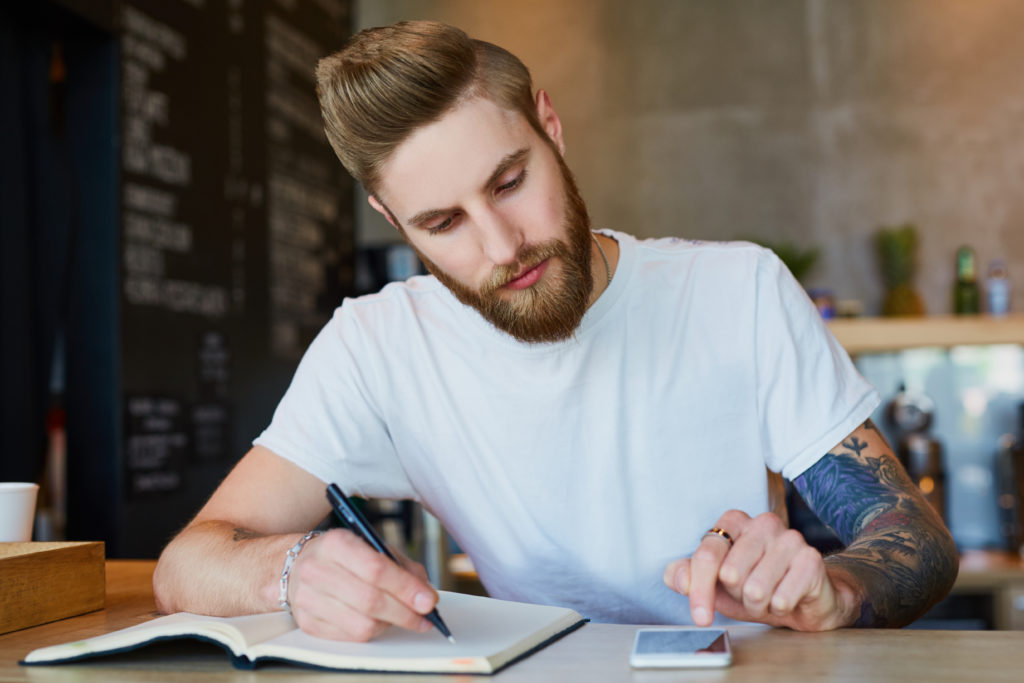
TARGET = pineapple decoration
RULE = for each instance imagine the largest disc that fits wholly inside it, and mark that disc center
(897, 253)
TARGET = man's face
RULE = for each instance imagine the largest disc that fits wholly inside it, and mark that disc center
(493, 212)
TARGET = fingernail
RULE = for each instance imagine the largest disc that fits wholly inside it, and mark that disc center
(422, 603)
(701, 616)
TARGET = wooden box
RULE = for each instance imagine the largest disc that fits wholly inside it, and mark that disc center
(42, 582)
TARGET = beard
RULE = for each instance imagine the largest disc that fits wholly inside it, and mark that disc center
(551, 309)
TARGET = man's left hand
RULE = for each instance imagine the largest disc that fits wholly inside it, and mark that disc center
(767, 573)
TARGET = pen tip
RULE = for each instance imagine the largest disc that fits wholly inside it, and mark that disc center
(451, 639)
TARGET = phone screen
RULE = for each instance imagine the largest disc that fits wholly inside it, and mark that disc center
(686, 647)
(671, 642)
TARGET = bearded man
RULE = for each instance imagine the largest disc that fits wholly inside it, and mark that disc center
(592, 417)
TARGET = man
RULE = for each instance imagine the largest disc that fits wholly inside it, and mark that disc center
(591, 416)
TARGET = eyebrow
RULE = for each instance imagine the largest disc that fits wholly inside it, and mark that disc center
(507, 162)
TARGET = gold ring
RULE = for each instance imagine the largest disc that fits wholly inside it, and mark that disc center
(720, 532)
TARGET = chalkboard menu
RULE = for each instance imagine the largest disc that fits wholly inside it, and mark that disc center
(236, 237)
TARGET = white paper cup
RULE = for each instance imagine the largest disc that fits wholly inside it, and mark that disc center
(17, 510)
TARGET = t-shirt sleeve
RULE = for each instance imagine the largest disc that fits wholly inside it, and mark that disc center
(810, 396)
(328, 422)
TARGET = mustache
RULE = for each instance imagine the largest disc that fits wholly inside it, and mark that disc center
(529, 256)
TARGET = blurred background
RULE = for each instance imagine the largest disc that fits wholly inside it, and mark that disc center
(809, 121)
(175, 228)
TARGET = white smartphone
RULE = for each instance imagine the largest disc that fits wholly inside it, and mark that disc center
(680, 647)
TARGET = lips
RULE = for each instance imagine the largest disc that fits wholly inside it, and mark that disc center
(528, 278)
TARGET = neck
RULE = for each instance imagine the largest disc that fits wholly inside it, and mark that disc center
(601, 275)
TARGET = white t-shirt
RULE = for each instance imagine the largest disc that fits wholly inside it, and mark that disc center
(574, 472)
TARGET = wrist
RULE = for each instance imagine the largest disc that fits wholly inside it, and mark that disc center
(850, 596)
(284, 581)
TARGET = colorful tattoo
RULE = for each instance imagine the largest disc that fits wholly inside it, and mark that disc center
(897, 547)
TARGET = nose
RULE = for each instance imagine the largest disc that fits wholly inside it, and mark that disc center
(500, 238)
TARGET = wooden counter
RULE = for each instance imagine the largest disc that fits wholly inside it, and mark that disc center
(597, 652)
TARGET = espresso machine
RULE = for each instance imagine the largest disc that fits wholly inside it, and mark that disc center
(910, 416)
(1010, 487)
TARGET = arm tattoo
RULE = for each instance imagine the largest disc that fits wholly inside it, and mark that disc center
(244, 534)
(855, 445)
(897, 547)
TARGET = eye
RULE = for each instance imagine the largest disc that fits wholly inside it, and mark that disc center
(441, 227)
(512, 184)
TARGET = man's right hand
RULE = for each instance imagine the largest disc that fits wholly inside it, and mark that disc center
(228, 560)
(341, 588)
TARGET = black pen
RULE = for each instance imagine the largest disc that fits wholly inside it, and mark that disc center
(354, 520)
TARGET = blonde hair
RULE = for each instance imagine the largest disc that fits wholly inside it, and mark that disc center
(387, 82)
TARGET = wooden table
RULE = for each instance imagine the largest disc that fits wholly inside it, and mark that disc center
(597, 652)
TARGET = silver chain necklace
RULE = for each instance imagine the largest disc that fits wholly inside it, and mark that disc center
(607, 269)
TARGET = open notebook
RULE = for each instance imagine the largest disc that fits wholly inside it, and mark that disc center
(491, 634)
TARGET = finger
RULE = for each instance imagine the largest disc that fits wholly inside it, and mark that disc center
(378, 570)
(677, 576)
(704, 565)
(344, 624)
(760, 586)
(803, 582)
(343, 572)
(737, 566)
(321, 610)
(752, 542)
(374, 602)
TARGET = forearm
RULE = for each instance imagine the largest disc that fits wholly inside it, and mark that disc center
(896, 575)
(217, 568)
(899, 559)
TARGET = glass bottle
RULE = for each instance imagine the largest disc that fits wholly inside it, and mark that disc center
(998, 289)
(966, 298)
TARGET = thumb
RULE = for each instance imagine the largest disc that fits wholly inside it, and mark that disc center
(677, 576)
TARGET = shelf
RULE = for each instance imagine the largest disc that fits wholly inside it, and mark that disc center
(868, 335)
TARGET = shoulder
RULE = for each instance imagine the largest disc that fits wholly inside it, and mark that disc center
(394, 302)
(368, 323)
(733, 262)
(423, 287)
(696, 251)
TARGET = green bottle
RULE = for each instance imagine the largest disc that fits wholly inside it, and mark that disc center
(966, 296)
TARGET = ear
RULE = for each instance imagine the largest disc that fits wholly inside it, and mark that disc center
(549, 120)
(382, 210)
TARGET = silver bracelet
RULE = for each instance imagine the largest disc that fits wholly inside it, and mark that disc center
(289, 560)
